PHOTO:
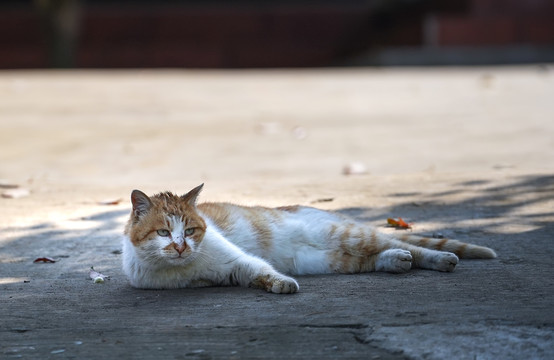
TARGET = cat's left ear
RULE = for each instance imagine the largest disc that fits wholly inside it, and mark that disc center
(192, 195)
(141, 203)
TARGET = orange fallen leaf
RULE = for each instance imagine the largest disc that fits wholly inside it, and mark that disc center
(398, 224)
(44, 260)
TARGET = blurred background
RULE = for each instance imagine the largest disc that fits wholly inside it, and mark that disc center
(273, 33)
(315, 87)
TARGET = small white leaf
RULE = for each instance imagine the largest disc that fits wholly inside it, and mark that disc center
(97, 277)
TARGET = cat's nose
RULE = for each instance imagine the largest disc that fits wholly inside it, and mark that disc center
(180, 248)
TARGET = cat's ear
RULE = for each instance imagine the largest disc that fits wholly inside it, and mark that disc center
(192, 195)
(141, 203)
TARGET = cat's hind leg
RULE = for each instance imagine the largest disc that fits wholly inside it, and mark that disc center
(435, 260)
(400, 260)
(429, 259)
(390, 260)
(362, 248)
(394, 261)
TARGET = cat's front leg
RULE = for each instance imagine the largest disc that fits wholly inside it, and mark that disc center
(254, 272)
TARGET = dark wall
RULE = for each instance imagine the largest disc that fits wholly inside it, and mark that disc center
(237, 34)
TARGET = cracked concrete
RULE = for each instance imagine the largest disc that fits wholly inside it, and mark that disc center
(466, 153)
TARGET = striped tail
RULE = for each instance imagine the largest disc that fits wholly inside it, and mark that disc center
(463, 250)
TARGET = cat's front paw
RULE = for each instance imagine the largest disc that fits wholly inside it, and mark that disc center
(278, 284)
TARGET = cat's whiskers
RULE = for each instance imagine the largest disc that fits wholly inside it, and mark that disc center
(211, 257)
(207, 258)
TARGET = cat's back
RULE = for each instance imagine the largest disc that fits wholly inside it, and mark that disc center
(227, 217)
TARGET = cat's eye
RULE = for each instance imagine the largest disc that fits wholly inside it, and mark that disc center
(189, 232)
(163, 232)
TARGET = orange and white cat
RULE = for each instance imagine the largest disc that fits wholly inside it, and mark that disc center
(171, 242)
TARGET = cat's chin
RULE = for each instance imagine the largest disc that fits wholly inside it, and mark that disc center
(178, 260)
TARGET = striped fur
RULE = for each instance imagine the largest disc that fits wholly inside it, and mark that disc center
(172, 242)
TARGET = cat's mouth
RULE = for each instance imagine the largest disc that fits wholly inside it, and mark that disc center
(180, 258)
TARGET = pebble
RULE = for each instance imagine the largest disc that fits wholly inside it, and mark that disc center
(354, 168)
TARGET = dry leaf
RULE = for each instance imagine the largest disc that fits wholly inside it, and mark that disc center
(398, 224)
(110, 202)
(44, 260)
(322, 200)
(15, 193)
(7, 185)
(96, 276)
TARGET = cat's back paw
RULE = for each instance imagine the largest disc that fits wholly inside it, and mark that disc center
(446, 262)
(394, 261)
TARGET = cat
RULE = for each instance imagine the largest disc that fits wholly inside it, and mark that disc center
(173, 242)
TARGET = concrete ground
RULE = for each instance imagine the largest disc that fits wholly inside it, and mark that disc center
(467, 153)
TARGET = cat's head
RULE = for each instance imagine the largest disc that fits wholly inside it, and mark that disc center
(166, 228)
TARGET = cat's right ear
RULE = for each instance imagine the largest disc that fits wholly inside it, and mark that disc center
(192, 195)
(141, 203)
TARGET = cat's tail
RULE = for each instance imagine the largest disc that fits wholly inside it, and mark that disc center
(462, 249)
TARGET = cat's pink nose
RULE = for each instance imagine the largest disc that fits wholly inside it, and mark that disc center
(180, 248)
